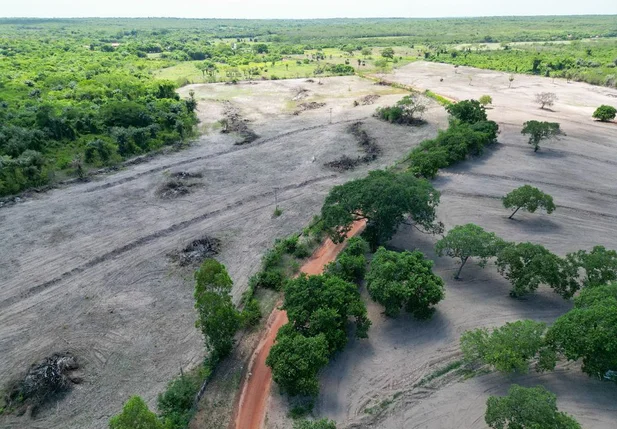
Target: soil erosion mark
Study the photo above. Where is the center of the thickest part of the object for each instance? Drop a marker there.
(251, 410)
(151, 237)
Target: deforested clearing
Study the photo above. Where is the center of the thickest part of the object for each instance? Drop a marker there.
(87, 268)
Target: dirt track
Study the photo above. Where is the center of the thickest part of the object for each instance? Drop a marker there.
(85, 268)
(370, 384)
(256, 387)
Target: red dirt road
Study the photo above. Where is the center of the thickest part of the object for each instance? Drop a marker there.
(256, 387)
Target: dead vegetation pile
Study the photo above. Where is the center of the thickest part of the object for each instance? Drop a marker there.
(175, 187)
(367, 100)
(233, 122)
(196, 251)
(303, 107)
(367, 144)
(43, 382)
(300, 94)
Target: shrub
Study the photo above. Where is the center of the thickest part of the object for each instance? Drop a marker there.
(136, 414)
(468, 111)
(485, 100)
(605, 113)
(251, 315)
(176, 403)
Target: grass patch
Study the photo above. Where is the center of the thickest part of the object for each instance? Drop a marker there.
(438, 98)
(439, 372)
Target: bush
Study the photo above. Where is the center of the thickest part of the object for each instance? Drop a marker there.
(350, 265)
(271, 279)
(176, 403)
(605, 113)
(136, 414)
(485, 100)
(468, 111)
(251, 315)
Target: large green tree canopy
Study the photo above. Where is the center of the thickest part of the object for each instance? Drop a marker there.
(386, 200)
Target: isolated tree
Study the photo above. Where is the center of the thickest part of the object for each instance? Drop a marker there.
(546, 99)
(510, 80)
(587, 332)
(468, 111)
(600, 265)
(467, 241)
(387, 53)
(135, 415)
(386, 200)
(322, 305)
(315, 424)
(408, 110)
(218, 318)
(527, 408)
(485, 100)
(366, 52)
(529, 198)
(508, 348)
(528, 265)
(539, 131)
(406, 279)
(605, 113)
(296, 360)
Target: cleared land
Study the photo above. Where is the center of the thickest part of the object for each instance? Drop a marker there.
(371, 383)
(85, 268)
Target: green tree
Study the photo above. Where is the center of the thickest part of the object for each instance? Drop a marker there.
(467, 111)
(527, 408)
(350, 265)
(316, 424)
(508, 348)
(387, 53)
(135, 415)
(386, 200)
(322, 305)
(528, 265)
(296, 360)
(605, 113)
(485, 100)
(600, 265)
(539, 131)
(406, 279)
(587, 332)
(467, 241)
(366, 52)
(530, 199)
(218, 319)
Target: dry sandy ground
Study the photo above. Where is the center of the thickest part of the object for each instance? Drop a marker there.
(85, 268)
(579, 170)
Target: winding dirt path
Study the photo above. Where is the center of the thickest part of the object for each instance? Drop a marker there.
(256, 387)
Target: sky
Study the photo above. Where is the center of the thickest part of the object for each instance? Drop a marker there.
(259, 9)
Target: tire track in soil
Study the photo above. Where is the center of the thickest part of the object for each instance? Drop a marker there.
(151, 237)
(217, 154)
(534, 181)
(567, 152)
(493, 197)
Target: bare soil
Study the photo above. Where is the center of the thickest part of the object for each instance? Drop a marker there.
(372, 383)
(85, 268)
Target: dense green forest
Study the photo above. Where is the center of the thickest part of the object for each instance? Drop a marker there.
(593, 61)
(77, 94)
